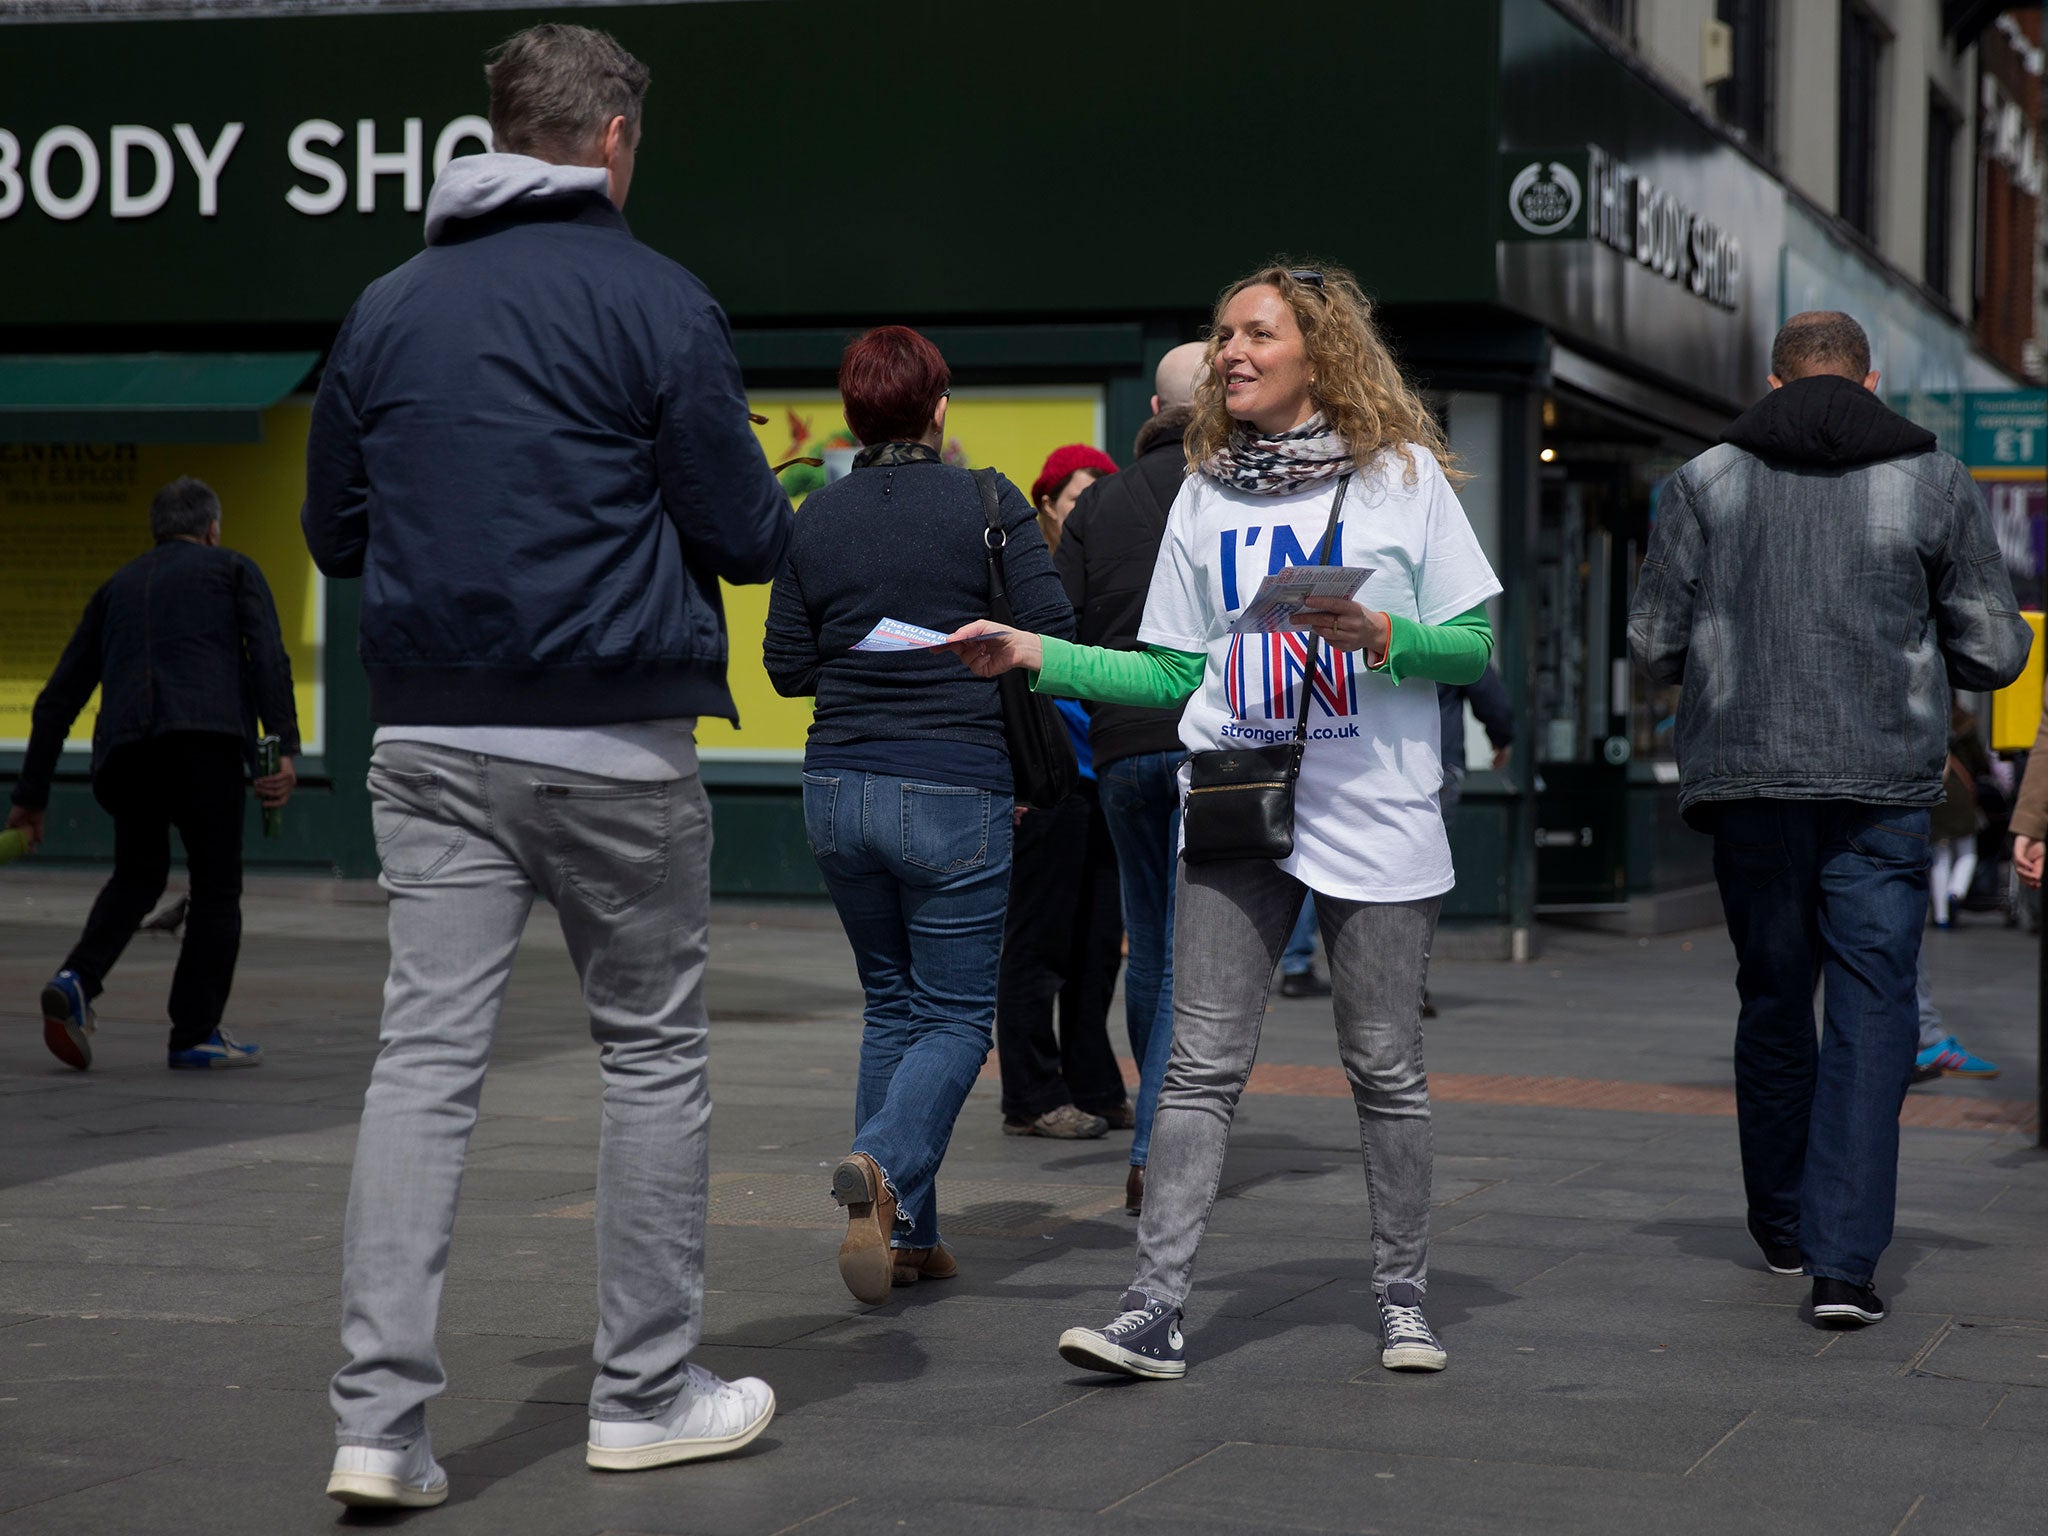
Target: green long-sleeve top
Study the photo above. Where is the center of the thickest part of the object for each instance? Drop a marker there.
(1158, 678)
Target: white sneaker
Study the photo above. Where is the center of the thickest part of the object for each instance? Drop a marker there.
(710, 1418)
(365, 1477)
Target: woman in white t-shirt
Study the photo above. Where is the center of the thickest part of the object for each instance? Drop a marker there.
(1300, 404)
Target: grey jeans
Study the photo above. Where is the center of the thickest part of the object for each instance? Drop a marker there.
(1231, 921)
(466, 842)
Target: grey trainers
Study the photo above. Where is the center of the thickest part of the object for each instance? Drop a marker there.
(1406, 1344)
(365, 1477)
(1067, 1123)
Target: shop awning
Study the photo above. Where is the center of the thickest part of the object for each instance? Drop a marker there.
(144, 397)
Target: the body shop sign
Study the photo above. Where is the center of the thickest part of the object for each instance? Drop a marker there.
(1588, 194)
(135, 170)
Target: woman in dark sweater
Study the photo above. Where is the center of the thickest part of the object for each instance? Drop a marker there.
(907, 784)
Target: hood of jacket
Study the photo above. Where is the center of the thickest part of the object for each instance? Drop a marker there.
(1169, 426)
(1828, 421)
(476, 185)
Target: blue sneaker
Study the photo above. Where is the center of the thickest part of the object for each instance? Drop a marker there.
(220, 1049)
(1949, 1059)
(68, 1020)
(1406, 1344)
(1143, 1340)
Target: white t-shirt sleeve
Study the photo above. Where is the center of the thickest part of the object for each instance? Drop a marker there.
(1177, 607)
(1453, 576)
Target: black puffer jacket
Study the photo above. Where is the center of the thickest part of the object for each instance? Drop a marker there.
(1106, 554)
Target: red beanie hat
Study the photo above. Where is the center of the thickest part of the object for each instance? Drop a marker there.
(1063, 462)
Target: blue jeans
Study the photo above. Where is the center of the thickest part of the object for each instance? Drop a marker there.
(920, 874)
(1141, 802)
(1833, 891)
(1299, 957)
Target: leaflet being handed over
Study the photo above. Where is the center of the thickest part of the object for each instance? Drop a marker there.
(894, 635)
(1281, 596)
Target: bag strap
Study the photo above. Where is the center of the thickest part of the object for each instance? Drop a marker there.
(1308, 680)
(993, 540)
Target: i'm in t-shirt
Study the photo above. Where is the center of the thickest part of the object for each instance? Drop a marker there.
(1366, 822)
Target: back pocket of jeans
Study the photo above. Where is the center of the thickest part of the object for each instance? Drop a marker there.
(945, 827)
(821, 804)
(413, 843)
(609, 842)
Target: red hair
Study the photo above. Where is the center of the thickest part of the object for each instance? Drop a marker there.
(890, 381)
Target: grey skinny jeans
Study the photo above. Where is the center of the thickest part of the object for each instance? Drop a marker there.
(1231, 921)
(467, 841)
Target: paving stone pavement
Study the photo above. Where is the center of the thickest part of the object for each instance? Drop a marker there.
(1620, 1359)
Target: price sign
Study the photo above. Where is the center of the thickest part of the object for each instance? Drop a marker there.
(2006, 432)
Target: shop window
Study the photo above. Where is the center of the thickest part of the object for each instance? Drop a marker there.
(1943, 125)
(1859, 116)
(1747, 100)
(1617, 16)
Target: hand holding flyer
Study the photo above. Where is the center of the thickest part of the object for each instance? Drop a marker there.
(1281, 596)
(893, 635)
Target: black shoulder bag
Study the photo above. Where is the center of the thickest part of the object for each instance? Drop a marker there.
(1240, 801)
(1041, 753)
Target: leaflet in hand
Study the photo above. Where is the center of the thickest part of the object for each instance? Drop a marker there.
(895, 635)
(1281, 596)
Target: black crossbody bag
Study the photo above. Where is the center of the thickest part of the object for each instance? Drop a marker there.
(1240, 801)
(1042, 764)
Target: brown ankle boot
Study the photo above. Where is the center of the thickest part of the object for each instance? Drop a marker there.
(865, 1260)
(915, 1264)
(1134, 1191)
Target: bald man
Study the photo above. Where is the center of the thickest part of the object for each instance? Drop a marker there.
(1816, 584)
(1106, 555)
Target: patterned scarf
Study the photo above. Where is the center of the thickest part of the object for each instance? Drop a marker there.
(1262, 465)
(896, 453)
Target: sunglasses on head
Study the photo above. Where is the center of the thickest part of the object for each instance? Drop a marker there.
(1313, 279)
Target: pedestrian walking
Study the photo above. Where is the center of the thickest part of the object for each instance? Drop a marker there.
(183, 644)
(1063, 935)
(1307, 443)
(1954, 823)
(907, 782)
(531, 444)
(1816, 584)
(1108, 547)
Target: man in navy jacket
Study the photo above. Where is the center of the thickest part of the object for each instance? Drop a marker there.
(531, 442)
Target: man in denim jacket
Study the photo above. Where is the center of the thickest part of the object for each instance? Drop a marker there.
(1817, 583)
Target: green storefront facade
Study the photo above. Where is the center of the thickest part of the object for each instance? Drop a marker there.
(1583, 274)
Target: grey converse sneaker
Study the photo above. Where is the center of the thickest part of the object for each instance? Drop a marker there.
(1406, 1344)
(1142, 1340)
(365, 1477)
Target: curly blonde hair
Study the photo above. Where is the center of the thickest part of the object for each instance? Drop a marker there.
(1354, 380)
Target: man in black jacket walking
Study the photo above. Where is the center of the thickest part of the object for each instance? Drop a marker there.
(1106, 555)
(184, 646)
(531, 443)
(1816, 584)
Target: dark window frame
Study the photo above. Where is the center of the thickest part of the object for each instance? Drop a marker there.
(1944, 136)
(1860, 116)
(1747, 101)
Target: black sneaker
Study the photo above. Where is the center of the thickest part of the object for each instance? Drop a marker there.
(1143, 1340)
(1303, 984)
(1779, 1258)
(1838, 1304)
(1406, 1344)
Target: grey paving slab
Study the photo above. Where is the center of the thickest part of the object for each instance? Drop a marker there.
(1620, 1361)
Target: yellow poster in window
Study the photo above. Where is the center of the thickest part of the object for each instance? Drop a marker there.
(1008, 429)
(73, 514)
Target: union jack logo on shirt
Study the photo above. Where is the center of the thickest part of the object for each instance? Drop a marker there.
(1271, 667)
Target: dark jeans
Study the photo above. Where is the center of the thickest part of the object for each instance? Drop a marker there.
(1836, 892)
(193, 781)
(1062, 943)
(920, 874)
(1141, 803)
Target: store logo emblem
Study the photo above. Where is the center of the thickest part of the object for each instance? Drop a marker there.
(1544, 199)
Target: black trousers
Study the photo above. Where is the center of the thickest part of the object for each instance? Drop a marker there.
(1062, 944)
(193, 781)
